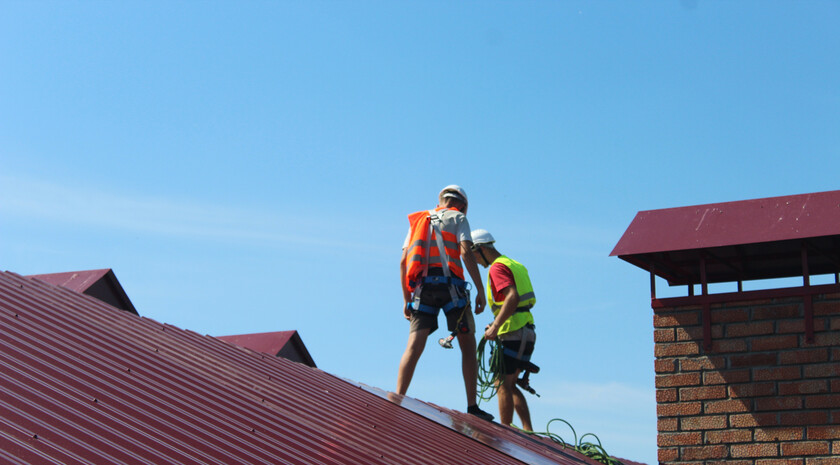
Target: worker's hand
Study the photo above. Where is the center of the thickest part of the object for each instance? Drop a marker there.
(407, 311)
(480, 302)
(491, 332)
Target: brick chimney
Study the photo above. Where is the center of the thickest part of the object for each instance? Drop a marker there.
(747, 377)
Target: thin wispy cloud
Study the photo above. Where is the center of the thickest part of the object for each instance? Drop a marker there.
(82, 207)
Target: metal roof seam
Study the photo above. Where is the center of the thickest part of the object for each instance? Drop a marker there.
(201, 397)
(163, 409)
(139, 372)
(41, 376)
(307, 416)
(84, 424)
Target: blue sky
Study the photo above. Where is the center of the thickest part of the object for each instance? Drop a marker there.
(248, 166)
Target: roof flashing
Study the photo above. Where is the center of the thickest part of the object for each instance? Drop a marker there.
(737, 241)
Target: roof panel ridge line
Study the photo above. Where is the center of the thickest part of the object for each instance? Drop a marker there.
(361, 411)
(67, 297)
(64, 424)
(158, 410)
(522, 453)
(52, 394)
(54, 444)
(234, 430)
(98, 380)
(336, 384)
(176, 349)
(119, 417)
(114, 322)
(208, 348)
(24, 455)
(196, 336)
(335, 392)
(36, 308)
(82, 339)
(156, 324)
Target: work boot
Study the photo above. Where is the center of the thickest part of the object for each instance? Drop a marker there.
(474, 410)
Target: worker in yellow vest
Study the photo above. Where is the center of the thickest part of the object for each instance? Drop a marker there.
(433, 279)
(510, 295)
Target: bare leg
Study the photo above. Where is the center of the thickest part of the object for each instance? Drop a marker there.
(506, 402)
(469, 365)
(413, 350)
(521, 406)
(510, 399)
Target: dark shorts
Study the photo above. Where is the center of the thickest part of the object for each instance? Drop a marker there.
(510, 363)
(438, 295)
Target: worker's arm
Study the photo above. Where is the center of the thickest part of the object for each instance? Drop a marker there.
(508, 309)
(472, 269)
(406, 292)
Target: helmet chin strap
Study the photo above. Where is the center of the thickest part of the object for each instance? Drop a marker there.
(481, 252)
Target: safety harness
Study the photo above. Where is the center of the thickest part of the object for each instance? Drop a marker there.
(454, 283)
(524, 335)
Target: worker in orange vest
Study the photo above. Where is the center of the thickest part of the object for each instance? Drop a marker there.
(432, 279)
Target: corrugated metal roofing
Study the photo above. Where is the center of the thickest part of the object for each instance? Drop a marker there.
(84, 383)
(286, 344)
(78, 281)
(743, 240)
(102, 284)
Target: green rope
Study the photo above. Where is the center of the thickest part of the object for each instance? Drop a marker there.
(488, 385)
(489, 369)
(593, 450)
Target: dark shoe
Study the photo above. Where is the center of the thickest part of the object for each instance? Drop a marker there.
(474, 410)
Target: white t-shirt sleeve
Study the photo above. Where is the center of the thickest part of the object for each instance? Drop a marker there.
(407, 238)
(464, 231)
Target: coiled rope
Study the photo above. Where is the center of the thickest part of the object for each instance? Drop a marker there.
(489, 379)
(593, 450)
(489, 369)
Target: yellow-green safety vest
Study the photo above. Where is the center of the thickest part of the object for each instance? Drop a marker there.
(522, 316)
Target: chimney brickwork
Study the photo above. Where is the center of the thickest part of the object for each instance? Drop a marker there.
(761, 396)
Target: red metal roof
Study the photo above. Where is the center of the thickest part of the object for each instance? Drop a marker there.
(84, 383)
(749, 239)
(286, 344)
(101, 284)
(78, 281)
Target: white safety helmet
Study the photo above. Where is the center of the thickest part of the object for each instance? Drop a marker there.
(481, 236)
(454, 191)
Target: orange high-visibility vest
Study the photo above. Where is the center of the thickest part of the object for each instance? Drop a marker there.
(416, 255)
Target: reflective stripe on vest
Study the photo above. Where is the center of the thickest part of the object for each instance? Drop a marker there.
(527, 299)
(416, 259)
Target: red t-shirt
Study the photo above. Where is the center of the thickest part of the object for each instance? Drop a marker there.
(500, 278)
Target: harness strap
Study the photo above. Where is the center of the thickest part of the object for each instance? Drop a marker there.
(519, 355)
(524, 335)
(524, 308)
(452, 280)
(426, 308)
(454, 304)
(434, 222)
(418, 290)
(434, 310)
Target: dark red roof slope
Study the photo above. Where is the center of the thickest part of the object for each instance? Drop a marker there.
(81, 382)
(287, 344)
(102, 284)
